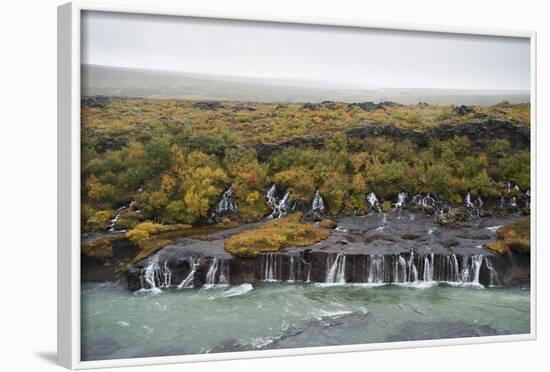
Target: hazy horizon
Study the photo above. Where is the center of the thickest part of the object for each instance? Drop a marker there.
(313, 56)
(292, 82)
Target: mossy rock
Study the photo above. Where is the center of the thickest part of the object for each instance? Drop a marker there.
(274, 236)
(515, 236)
(386, 206)
(328, 224)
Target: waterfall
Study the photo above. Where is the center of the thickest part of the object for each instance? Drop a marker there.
(376, 269)
(114, 220)
(399, 269)
(317, 205)
(401, 200)
(479, 201)
(373, 201)
(291, 269)
(188, 282)
(271, 195)
(211, 274)
(156, 276)
(336, 269)
(528, 199)
(428, 275)
(413, 272)
(514, 202)
(217, 265)
(271, 266)
(227, 202)
(428, 201)
(493, 275)
(308, 275)
(468, 201)
(453, 269)
(280, 207)
(470, 269)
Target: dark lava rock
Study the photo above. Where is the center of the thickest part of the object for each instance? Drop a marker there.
(480, 133)
(95, 101)
(449, 243)
(463, 110)
(208, 105)
(111, 143)
(410, 236)
(312, 106)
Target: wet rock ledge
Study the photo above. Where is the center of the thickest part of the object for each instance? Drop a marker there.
(397, 247)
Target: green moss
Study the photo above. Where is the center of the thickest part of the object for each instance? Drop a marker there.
(274, 236)
(513, 237)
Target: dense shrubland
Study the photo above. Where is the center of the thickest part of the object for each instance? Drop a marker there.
(174, 158)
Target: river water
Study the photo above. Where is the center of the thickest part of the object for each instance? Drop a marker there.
(117, 323)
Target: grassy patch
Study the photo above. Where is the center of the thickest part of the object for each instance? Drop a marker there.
(274, 236)
(513, 237)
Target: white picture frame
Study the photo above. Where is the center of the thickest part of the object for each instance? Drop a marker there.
(69, 49)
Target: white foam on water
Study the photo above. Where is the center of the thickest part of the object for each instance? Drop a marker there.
(238, 291)
(123, 323)
(419, 284)
(331, 314)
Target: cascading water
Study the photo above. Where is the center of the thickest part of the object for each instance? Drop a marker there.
(399, 269)
(372, 200)
(468, 201)
(188, 282)
(217, 265)
(376, 269)
(291, 269)
(155, 275)
(271, 267)
(227, 202)
(471, 266)
(493, 275)
(318, 205)
(401, 200)
(271, 195)
(280, 207)
(295, 268)
(428, 275)
(336, 269)
(412, 270)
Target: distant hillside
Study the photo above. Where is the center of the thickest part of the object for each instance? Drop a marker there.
(125, 82)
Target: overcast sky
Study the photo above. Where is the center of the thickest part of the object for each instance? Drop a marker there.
(326, 55)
